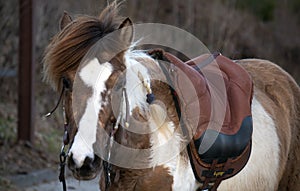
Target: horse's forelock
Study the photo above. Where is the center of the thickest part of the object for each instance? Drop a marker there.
(69, 46)
(110, 16)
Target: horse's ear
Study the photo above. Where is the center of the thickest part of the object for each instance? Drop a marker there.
(65, 20)
(126, 31)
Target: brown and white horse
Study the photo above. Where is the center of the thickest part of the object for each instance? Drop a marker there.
(274, 161)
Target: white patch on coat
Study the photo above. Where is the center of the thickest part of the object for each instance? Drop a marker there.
(94, 75)
(181, 170)
(135, 89)
(261, 171)
(166, 145)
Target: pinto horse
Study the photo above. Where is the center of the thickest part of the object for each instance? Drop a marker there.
(90, 116)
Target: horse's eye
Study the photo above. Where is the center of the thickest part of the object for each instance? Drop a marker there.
(67, 83)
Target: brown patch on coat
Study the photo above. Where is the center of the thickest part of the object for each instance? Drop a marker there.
(279, 94)
(157, 178)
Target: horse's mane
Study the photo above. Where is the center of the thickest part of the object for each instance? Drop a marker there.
(68, 47)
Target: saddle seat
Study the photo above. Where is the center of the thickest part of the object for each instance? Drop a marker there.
(231, 132)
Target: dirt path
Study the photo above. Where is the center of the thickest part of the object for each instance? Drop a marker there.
(47, 180)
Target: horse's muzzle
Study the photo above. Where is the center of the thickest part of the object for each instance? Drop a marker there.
(89, 170)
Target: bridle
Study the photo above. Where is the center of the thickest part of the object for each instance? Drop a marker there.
(64, 149)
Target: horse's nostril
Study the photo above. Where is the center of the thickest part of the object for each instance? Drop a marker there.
(88, 161)
(71, 162)
(86, 169)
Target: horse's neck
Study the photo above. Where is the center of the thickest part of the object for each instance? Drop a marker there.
(158, 118)
(167, 136)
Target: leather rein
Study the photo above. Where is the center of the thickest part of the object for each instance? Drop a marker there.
(64, 149)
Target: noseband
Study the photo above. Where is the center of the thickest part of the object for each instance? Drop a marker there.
(64, 150)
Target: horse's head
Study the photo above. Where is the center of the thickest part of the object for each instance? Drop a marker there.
(105, 86)
(87, 83)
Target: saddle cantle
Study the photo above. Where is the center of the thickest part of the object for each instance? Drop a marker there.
(230, 151)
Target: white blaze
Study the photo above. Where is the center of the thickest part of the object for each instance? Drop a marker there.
(93, 75)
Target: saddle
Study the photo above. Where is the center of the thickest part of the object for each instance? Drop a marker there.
(221, 140)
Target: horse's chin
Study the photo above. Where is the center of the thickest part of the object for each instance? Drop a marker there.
(84, 175)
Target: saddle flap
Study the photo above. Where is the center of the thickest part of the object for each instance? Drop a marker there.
(239, 94)
(185, 80)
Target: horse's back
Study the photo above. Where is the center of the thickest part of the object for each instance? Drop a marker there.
(279, 95)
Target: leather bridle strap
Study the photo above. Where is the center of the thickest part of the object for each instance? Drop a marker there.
(62, 165)
(57, 104)
(64, 152)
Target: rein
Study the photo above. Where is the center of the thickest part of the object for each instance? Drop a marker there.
(64, 150)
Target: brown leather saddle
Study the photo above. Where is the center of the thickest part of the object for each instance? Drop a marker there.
(226, 127)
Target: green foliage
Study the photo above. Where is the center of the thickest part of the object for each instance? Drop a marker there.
(6, 185)
(294, 6)
(7, 130)
(51, 139)
(263, 9)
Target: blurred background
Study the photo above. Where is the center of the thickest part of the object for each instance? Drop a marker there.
(267, 29)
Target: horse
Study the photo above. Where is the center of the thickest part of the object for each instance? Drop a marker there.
(275, 154)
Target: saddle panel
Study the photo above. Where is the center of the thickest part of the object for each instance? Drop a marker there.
(225, 146)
